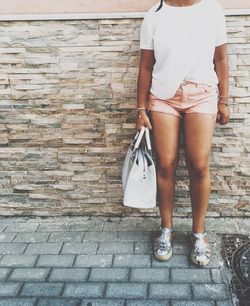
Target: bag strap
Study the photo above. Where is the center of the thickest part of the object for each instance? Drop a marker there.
(139, 138)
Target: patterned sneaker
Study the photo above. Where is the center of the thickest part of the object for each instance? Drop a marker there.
(201, 251)
(162, 244)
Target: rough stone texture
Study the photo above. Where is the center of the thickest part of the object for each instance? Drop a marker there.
(68, 93)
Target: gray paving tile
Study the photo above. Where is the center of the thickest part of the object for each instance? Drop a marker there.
(100, 236)
(126, 290)
(31, 237)
(12, 248)
(84, 290)
(42, 289)
(21, 227)
(43, 248)
(210, 291)
(28, 274)
(184, 276)
(9, 289)
(79, 248)
(58, 302)
(109, 274)
(7, 237)
(181, 248)
(216, 276)
(143, 248)
(103, 302)
(176, 261)
(134, 236)
(55, 261)
(149, 275)
(115, 248)
(69, 274)
(128, 260)
(65, 237)
(18, 260)
(87, 225)
(17, 301)
(93, 261)
(4, 272)
(193, 303)
(170, 291)
(53, 227)
(147, 302)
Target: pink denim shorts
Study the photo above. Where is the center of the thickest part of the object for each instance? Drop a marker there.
(190, 98)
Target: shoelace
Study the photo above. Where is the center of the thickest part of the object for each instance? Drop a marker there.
(164, 239)
(200, 245)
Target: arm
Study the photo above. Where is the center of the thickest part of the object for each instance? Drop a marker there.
(147, 61)
(222, 71)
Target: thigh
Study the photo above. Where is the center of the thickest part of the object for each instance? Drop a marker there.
(165, 136)
(198, 135)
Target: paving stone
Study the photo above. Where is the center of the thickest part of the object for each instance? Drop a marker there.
(184, 276)
(216, 275)
(53, 227)
(126, 290)
(55, 261)
(42, 289)
(181, 248)
(2, 227)
(103, 302)
(79, 248)
(43, 248)
(134, 236)
(84, 290)
(149, 275)
(225, 303)
(192, 303)
(7, 237)
(28, 274)
(143, 248)
(147, 302)
(120, 226)
(109, 274)
(115, 248)
(176, 261)
(58, 302)
(31, 237)
(87, 225)
(170, 291)
(69, 274)
(12, 248)
(93, 261)
(17, 301)
(66, 237)
(18, 260)
(100, 236)
(210, 291)
(128, 260)
(4, 272)
(21, 227)
(9, 289)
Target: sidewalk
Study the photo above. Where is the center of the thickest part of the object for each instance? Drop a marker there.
(103, 261)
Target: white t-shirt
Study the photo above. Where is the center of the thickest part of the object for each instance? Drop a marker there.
(184, 40)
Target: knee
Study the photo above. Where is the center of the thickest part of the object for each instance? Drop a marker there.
(199, 169)
(167, 167)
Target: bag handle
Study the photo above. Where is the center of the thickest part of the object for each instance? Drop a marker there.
(139, 138)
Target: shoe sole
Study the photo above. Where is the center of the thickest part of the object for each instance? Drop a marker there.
(198, 263)
(165, 257)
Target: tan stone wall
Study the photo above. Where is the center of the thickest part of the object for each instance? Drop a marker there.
(68, 93)
(83, 6)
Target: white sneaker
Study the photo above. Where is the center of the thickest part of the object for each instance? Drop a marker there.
(201, 251)
(162, 244)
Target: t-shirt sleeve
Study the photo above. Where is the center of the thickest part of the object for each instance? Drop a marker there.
(146, 33)
(221, 37)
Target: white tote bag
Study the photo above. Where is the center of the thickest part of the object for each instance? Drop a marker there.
(139, 174)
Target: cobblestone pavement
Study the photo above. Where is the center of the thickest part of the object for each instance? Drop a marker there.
(103, 261)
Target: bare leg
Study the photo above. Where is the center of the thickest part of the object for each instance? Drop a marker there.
(198, 132)
(165, 136)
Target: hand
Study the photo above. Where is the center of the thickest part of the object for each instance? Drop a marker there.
(143, 121)
(223, 114)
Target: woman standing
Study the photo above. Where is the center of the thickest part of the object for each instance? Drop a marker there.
(183, 75)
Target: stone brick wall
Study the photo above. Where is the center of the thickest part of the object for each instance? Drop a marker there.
(68, 93)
